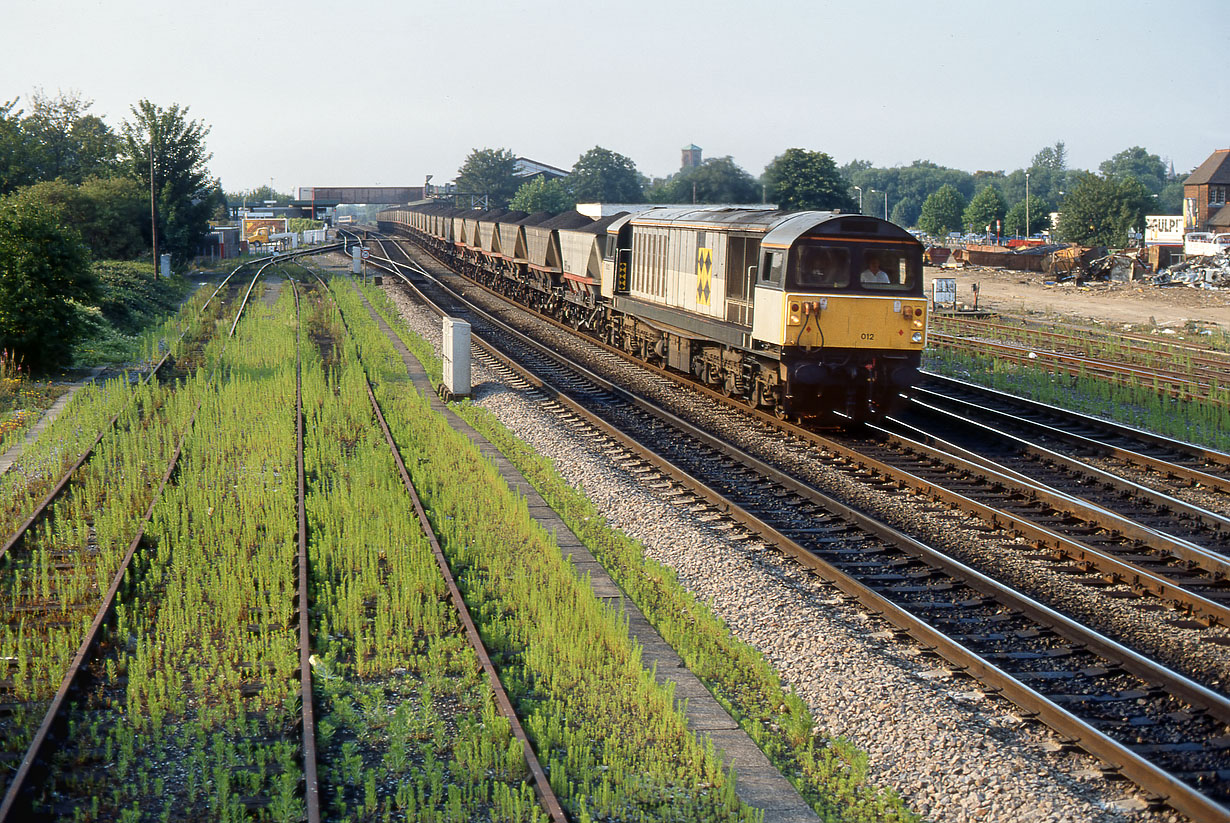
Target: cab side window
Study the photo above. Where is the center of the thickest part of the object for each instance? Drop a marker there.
(771, 271)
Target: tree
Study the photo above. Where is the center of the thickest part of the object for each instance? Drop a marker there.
(906, 210)
(1101, 211)
(116, 223)
(185, 193)
(603, 176)
(256, 197)
(1039, 217)
(541, 194)
(716, 180)
(910, 185)
(720, 180)
(18, 162)
(1147, 169)
(109, 213)
(942, 212)
(72, 144)
(802, 179)
(489, 173)
(986, 207)
(44, 275)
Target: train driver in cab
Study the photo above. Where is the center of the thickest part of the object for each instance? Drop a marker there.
(873, 273)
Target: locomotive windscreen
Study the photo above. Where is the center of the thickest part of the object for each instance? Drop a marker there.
(829, 264)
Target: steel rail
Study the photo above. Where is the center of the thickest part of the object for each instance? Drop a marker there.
(1212, 360)
(1182, 508)
(306, 698)
(1199, 453)
(1139, 578)
(17, 801)
(542, 785)
(1177, 386)
(1147, 775)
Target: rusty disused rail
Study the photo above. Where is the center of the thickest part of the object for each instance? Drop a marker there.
(311, 778)
(542, 785)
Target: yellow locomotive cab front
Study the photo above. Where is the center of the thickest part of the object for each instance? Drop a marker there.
(848, 322)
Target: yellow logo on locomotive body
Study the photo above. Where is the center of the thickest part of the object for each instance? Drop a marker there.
(704, 276)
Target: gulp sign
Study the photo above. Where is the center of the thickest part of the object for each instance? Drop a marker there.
(1163, 230)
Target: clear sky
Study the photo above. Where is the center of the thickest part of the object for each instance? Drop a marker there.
(384, 92)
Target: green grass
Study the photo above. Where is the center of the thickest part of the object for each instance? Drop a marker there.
(1140, 404)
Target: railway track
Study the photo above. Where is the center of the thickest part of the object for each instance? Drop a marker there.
(1174, 557)
(1171, 464)
(34, 767)
(25, 790)
(1123, 347)
(1082, 684)
(542, 786)
(1204, 385)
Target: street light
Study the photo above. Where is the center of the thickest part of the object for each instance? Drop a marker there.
(873, 191)
(859, 189)
(1027, 204)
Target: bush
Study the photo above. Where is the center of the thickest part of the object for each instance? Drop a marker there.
(132, 297)
(44, 273)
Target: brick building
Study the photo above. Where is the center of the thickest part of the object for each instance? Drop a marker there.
(1204, 195)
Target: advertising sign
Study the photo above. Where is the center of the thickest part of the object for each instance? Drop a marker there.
(258, 229)
(1164, 230)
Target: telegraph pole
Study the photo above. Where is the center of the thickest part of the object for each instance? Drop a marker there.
(153, 205)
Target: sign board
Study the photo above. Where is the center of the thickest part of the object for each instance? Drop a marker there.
(1164, 230)
(367, 253)
(259, 229)
(944, 291)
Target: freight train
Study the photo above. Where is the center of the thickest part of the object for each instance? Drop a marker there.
(799, 313)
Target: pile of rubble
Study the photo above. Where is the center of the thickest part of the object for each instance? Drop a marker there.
(1198, 272)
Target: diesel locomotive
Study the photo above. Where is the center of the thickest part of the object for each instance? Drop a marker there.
(801, 313)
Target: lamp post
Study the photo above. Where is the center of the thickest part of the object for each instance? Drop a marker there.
(1027, 204)
(885, 204)
(859, 189)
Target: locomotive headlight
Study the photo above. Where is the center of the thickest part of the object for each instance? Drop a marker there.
(794, 313)
(916, 337)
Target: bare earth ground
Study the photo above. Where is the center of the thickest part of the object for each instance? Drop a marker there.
(1026, 293)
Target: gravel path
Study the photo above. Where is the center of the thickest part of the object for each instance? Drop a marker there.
(952, 752)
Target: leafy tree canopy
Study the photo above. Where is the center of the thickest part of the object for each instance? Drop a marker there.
(18, 161)
(802, 179)
(716, 180)
(1053, 157)
(942, 212)
(986, 207)
(541, 194)
(71, 143)
(1100, 211)
(256, 197)
(489, 173)
(1147, 169)
(1039, 217)
(186, 193)
(111, 213)
(44, 275)
(603, 176)
(909, 185)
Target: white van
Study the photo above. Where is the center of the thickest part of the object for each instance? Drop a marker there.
(1205, 244)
